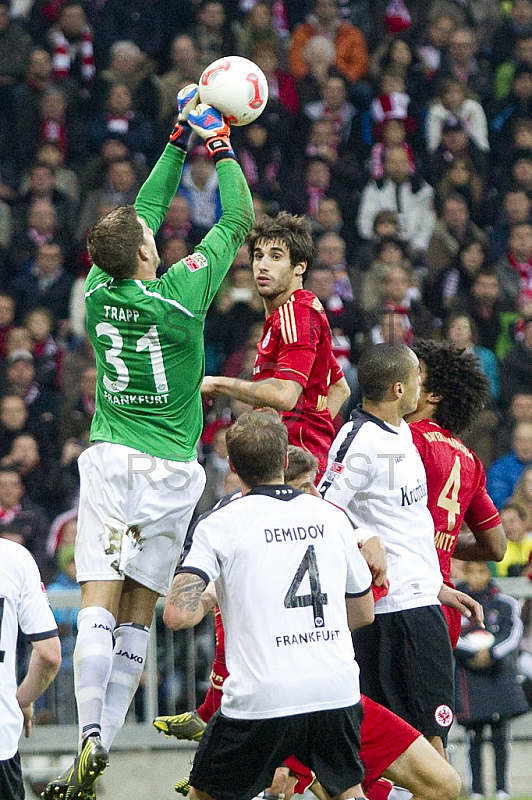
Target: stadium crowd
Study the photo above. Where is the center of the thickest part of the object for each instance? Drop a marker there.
(403, 130)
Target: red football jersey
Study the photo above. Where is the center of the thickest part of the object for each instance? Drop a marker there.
(456, 484)
(296, 345)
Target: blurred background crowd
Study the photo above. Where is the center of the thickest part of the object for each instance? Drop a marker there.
(401, 128)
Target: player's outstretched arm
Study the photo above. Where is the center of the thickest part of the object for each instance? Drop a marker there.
(160, 186)
(487, 545)
(272, 392)
(188, 601)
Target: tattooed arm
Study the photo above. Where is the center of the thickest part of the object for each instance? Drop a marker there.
(188, 601)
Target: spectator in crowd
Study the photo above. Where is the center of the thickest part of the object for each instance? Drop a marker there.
(513, 108)
(506, 471)
(460, 330)
(515, 268)
(46, 481)
(348, 323)
(389, 252)
(400, 296)
(516, 367)
(331, 251)
(486, 307)
(178, 222)
(490, 692)
(455, 143)
(392, 123)
(14, 420)
(138, 21)
(451, 289)
(184, 69)
(335, 106)
(462, 177)
(7, 317)
(454, 104)
(319, 55)
(515, 522)
(434, 42)
(258, 29)
(44, 283)
(71, 40)
(212, 33)
(519, 410)
(119, 120)
(76, 416)
(462, 62)
(42, 402)
(120, 188)
(410, 197)
(41, 228)
(25, 517)
(128, 65)
(522, 495)
(521, 54)
(281, 85)
(260, 157)
(44, 348)
(351, 55)
(399, 56)
(199, 186)
(515, 210)
(41, 186)
(517, 23)
(453, 229)
(15, 47)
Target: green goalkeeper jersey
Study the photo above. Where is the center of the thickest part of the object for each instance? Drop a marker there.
(147, 335)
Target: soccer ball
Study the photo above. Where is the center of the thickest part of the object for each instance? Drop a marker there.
(235, 86)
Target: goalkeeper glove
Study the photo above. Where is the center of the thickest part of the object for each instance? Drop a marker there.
(212, 127)
(187, 100)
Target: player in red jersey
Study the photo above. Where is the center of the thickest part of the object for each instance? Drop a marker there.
(295, 370)
(389, 745)
(453, 391)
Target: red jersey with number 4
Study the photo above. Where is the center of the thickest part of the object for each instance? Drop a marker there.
(296, 345)
(456, 485)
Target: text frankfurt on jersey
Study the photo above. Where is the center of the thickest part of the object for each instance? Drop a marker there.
(307, 638)
(136, 399)
(409, 496)
(293, 534)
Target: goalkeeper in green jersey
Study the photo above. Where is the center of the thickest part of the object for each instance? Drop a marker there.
(140, 481)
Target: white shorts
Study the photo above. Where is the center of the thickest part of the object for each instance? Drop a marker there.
(134, 511)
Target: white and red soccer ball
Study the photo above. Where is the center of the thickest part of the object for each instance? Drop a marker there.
(235, 86)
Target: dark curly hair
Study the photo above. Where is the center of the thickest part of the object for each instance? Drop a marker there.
(457, 377)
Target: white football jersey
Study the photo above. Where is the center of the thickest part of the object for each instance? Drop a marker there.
(376, 475)
(283, 562)
(22, 603)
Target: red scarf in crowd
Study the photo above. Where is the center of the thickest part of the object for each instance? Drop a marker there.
(55, 132)
(524, 269)
(7, 515)
(62, 58)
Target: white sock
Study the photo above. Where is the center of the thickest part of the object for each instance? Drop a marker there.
(129, 657)
(93, 659)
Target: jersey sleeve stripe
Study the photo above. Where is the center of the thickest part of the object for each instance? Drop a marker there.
(38, 637)
(164, 299)
(488, 519)
(286, 329)
(194, 571)
(292, 317)
(358, 594)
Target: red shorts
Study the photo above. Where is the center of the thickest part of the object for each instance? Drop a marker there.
(384, 737)
(454, 623)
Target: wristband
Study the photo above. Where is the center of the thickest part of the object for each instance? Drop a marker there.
(362, 536)
(219, 147)
(180, 136)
